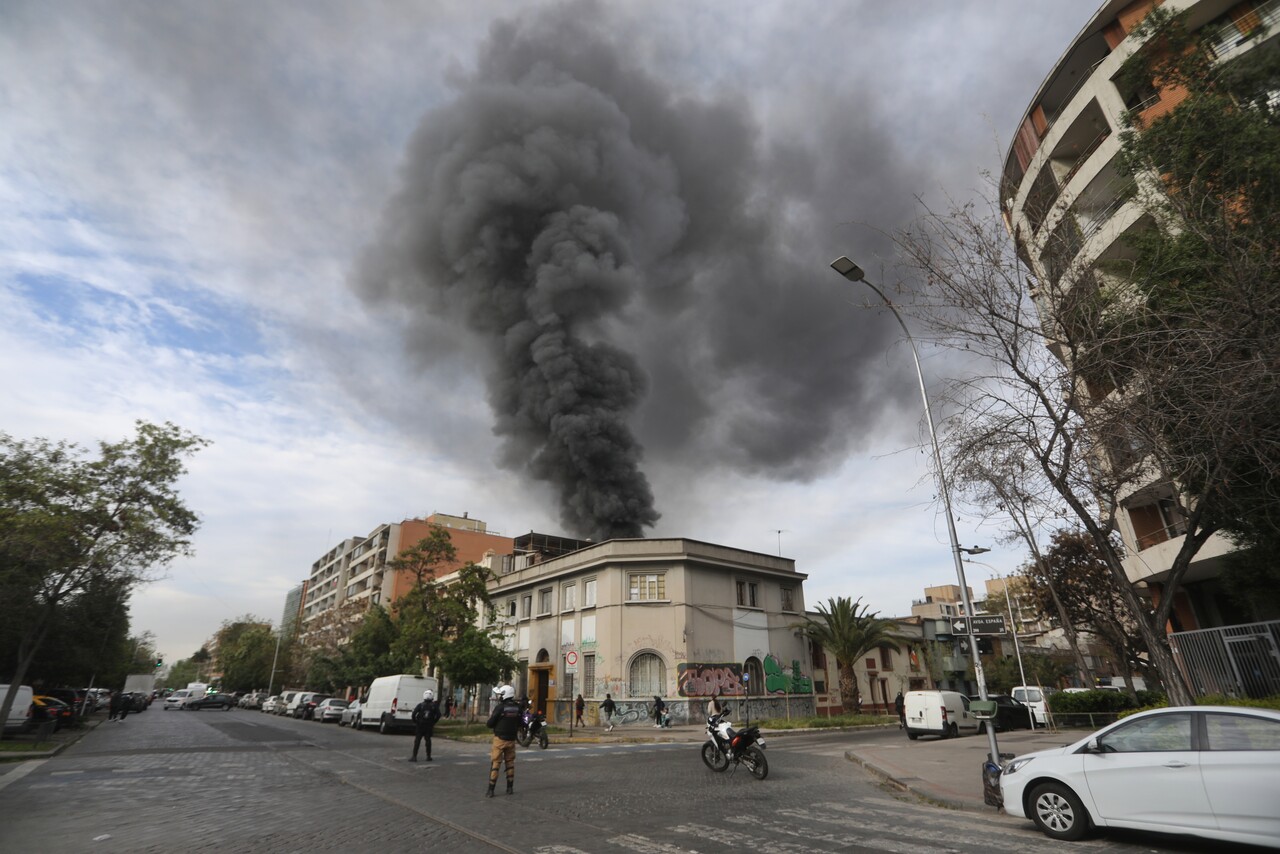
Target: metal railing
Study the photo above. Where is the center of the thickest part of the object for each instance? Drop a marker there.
(1236, 661)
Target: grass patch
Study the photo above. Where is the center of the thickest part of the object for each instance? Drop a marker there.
(7, 746)
(460, 729)
(827, 723)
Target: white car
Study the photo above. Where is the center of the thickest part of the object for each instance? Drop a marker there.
(176, 699)
(269, 704)
(1209, 771)
(350, 715)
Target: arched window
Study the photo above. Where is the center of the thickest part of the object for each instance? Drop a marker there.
(755, 685)
(648, 676)
(542, 657)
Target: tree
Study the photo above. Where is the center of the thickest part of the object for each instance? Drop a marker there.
(474, 658)
(1078, 574)
(434, 615)
(371, 651)
(68, 523)
(849, 630)
(246, 649)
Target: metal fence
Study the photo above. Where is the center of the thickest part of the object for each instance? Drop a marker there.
(1238, 661)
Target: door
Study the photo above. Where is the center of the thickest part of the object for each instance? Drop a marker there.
(1240, 764)
(1148, 774)
(539, 695)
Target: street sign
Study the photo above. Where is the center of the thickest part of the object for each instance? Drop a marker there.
(985, 624)
(571, 661)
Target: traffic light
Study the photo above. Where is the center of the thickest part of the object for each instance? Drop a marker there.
(986, 647)
(159, 662)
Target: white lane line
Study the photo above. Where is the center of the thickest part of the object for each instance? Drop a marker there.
(21, 771)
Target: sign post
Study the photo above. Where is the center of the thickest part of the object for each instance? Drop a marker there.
(571, 666)
(983, 624)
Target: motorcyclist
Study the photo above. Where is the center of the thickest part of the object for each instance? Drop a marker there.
(504, 720)
(425, 715)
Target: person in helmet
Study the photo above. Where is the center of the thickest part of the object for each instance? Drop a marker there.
(425, 715)
(504, 721)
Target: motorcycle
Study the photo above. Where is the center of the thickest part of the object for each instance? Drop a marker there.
(532, 725)
(726, 746)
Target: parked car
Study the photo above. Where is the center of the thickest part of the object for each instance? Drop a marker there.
(210, 701)
(137, 701)
(46, 708)
(19, 719)
(329, 710)
(1208, 771)
(253, 700)
(71, 696)
(389, 704)
(350, 715)
(269, 704)
(307, 708)
(941, 713)
(1010, 714)
(288, 700)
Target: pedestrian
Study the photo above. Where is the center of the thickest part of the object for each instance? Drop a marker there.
(126, 700)
(658, 708)
(425, 715)
(448, 706)
(900, 706)
(113, 707)
(714, 705)
(579, 706)
(504, 720)
(608, 707)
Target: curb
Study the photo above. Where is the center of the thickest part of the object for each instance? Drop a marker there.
(902, 786)
(28, 755)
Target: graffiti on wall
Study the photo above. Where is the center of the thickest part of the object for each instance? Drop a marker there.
(785, 681)
(704, 680)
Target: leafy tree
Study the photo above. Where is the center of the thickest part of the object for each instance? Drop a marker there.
(372, 651)
(1040, 668)
(850, 630)
(246, 649)
(182, 672)
(434, 615)
(474, 658)
(68, 523)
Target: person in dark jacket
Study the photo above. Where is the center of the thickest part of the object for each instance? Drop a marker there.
(425, 715)
(448, 706)
(505, 722)
(579, 706)
(900, 706)
(607, 708)
(659, 710)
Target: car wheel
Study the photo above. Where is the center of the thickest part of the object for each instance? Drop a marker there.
(953, 731)
(1058, 813)
(357, 722)
(383, 728)
(913, 735)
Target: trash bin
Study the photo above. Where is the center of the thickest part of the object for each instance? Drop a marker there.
(991, 779)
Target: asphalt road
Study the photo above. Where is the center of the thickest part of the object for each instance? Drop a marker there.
(243, 781)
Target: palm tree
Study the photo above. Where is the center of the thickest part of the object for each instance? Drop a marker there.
(850, 630)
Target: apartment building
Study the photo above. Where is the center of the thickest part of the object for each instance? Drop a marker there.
(940, 602)
(1070, 210)
(640, 618)
(357, 571)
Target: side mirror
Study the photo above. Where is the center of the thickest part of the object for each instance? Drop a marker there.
(1093, 746)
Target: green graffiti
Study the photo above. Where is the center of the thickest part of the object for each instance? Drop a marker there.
(779, 681)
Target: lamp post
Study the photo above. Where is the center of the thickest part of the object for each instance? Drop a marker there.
(854, 273)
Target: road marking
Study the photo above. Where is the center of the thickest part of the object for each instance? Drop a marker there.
(21, 771)
(645, 845)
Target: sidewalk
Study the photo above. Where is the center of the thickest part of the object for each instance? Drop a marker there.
(60, 740)
(949, 772)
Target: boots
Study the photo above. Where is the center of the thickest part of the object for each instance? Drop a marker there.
(489, 794)
(511, 787)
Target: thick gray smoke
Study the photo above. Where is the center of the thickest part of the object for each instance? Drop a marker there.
(633, 261)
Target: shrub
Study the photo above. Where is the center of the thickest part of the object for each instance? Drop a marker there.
(1090, 701)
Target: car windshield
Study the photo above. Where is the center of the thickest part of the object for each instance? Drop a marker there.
(1033, 696)
(338, 704)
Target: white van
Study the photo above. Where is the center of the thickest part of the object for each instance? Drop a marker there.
(288, 702)
(391, 699)
(1035, 698)
(19, 719)
(941, 713)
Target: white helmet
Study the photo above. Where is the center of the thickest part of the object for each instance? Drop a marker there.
(427, 695)
(506, 692)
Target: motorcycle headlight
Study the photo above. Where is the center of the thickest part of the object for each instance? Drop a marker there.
(1015, 765)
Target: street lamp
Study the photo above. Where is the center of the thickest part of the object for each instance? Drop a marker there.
(854, 273)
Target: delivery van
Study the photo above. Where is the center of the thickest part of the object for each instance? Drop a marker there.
(1035, 698)
(391, 699)
(19, 719)
(941, 713)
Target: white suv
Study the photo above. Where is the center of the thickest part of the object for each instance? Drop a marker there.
(176, 699)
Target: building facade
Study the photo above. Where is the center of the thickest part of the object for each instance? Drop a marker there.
(1070, 211)
(674, 618)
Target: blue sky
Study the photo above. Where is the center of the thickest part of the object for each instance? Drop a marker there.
(186, 190)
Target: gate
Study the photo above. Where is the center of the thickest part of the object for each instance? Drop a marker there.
(1237, 661)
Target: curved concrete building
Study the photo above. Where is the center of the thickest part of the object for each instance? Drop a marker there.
(1068, 208)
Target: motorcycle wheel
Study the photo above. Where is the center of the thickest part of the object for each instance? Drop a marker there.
(522, 738)
(543, 740)
(756, 763)
(714, 757)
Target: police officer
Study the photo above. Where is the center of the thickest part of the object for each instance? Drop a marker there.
(504, 721)
(425, 715)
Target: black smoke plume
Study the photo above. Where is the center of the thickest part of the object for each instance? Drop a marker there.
(602, 234)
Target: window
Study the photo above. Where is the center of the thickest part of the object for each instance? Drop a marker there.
(588, 675)
(526, 606)
(589, 593)
(788, 598)
(511, 608)
(1240, 732)
(886, 659)
(1158, 733)
(569, 596)
(648, 676)
(748, 594)
(651, 587)
(544, 602)
(871, 664)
